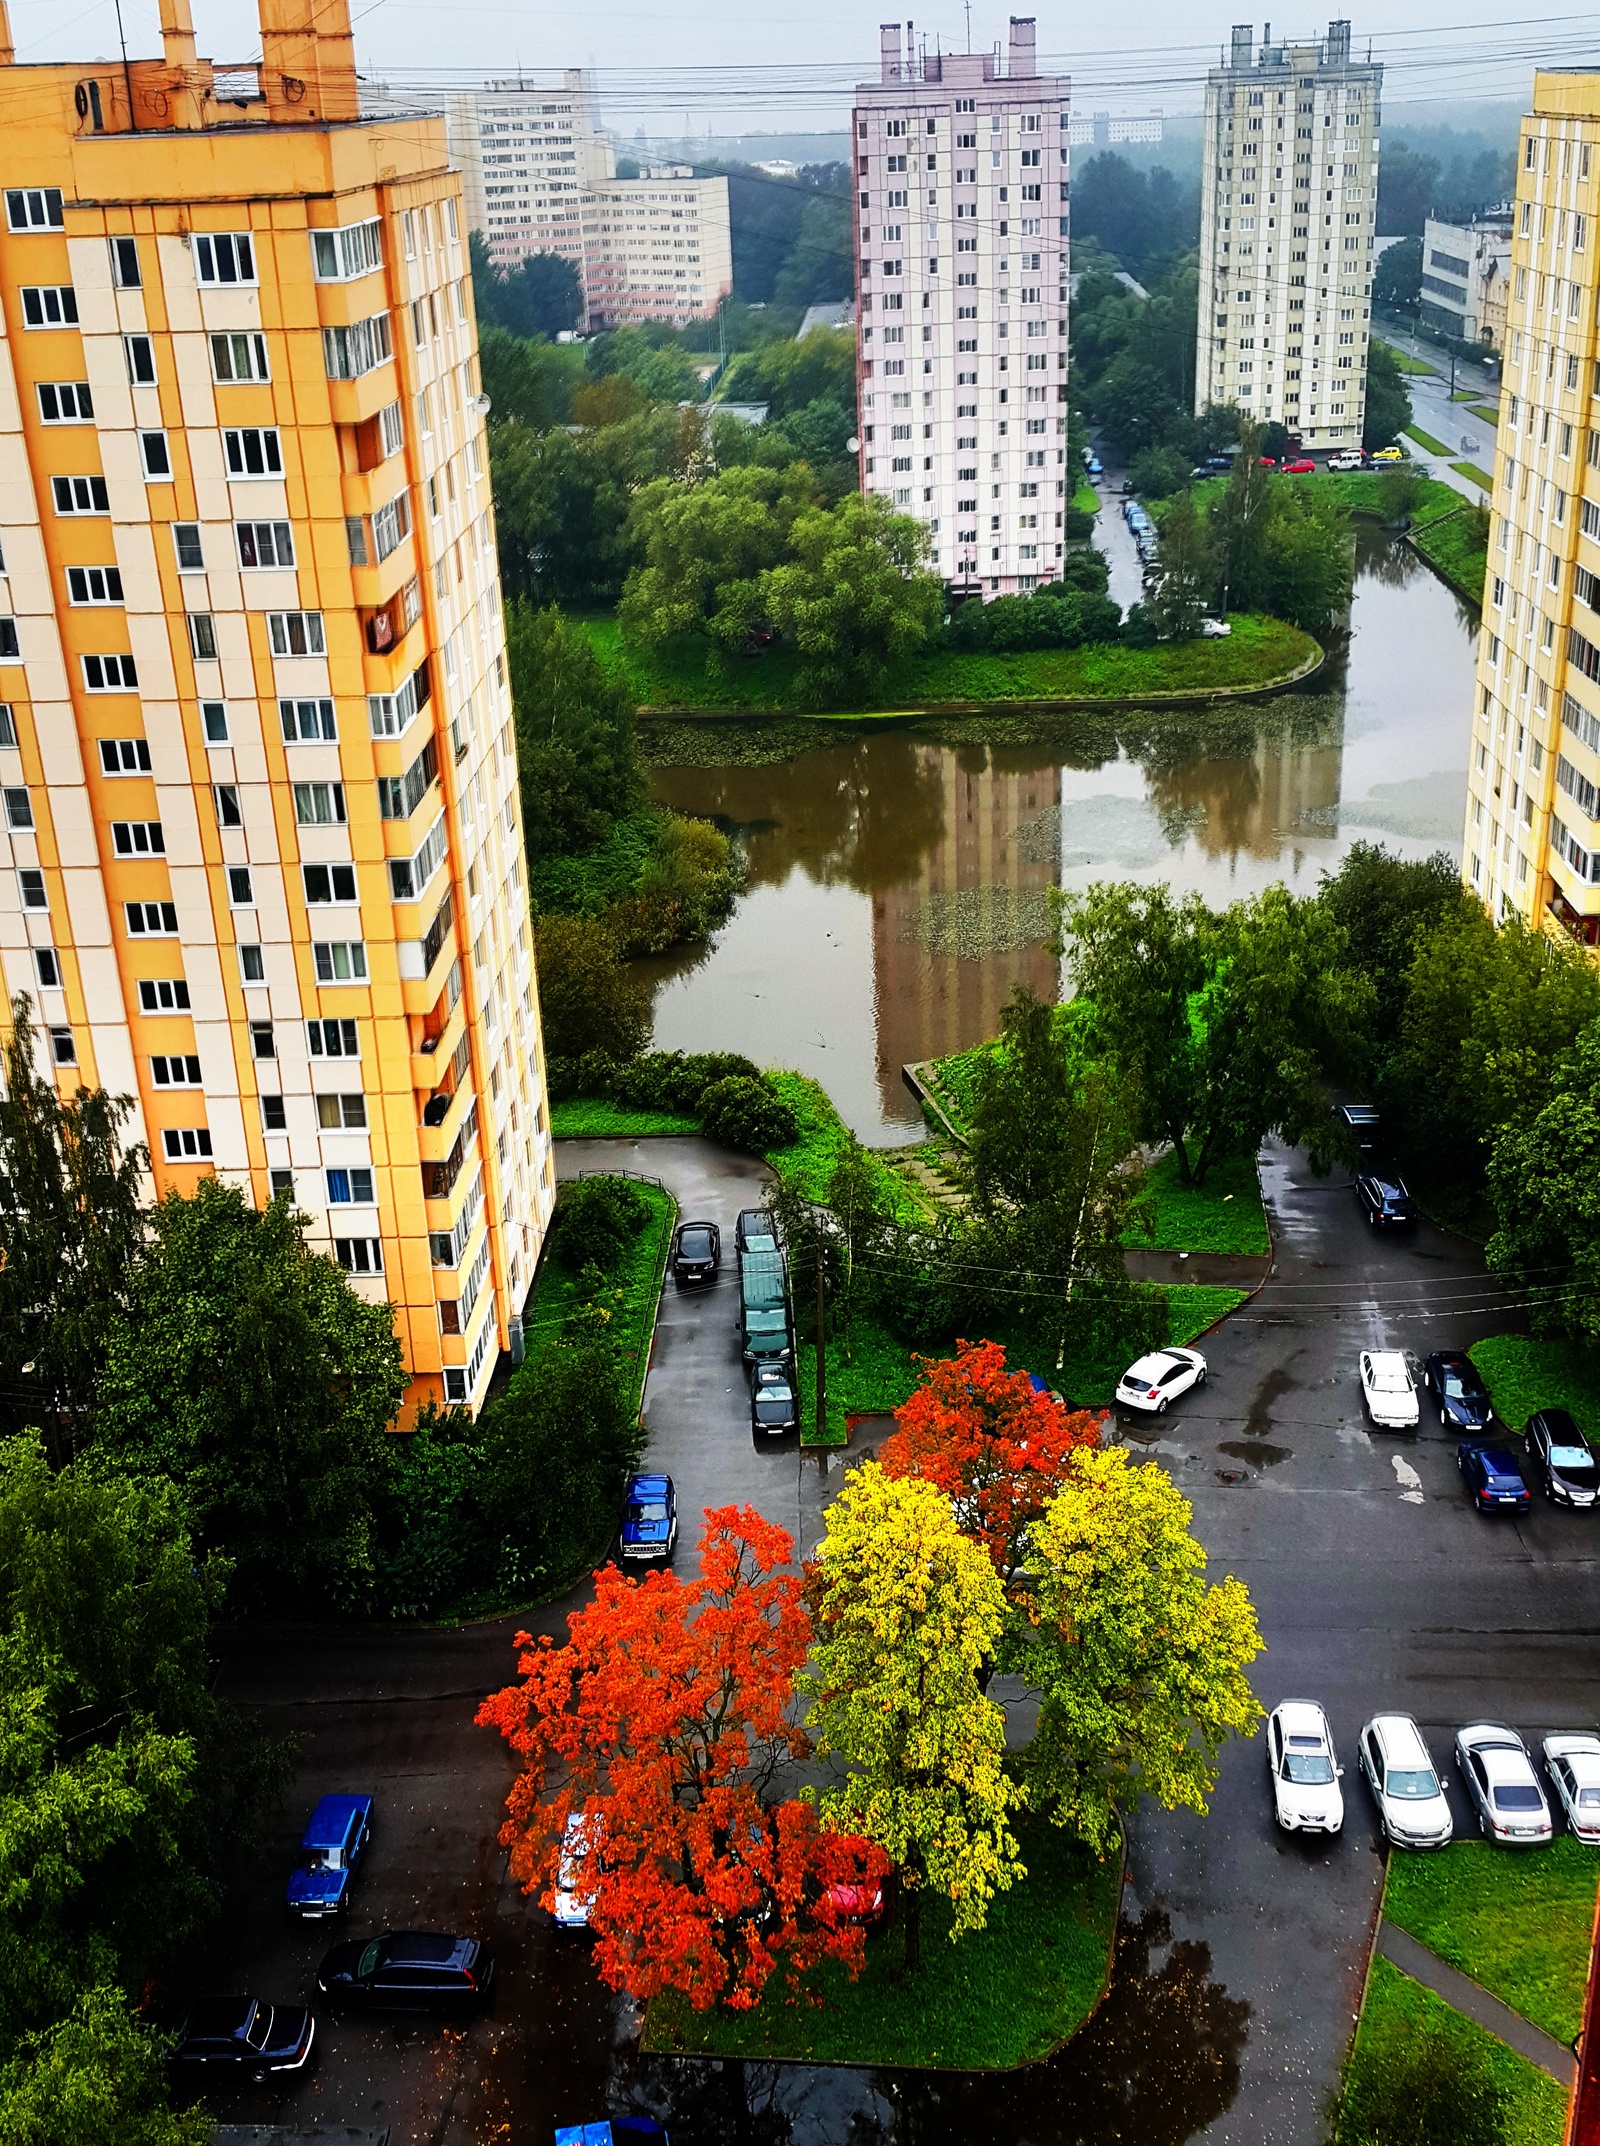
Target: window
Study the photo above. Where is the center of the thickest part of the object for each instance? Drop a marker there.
(47, 967)
(62, 1048)
(261, 1043)
(350, 1188)
(124, 756)
(80, 495)
(65, 402)
(319, 804)
(186, 1143)
(340, 961)
(30, 885)
(50, 305)
(391, 432)
(362, 1255)
(154, 458)
(390, 524)
(19, 811)
(8, 727)
(400, 795)
(332, 1039)
(214, 720)
(390, 714)
(175, 1071)
(328, 883)
(308, 722)
(146, 920)
(252, 451)
(252, 968)
(138, 838)
(347, 353)
(140, 353)
(110, 674)
(265, 544)
(296, 633)
(94, 585)
(409, 875)
(161, 995)
(203, 636)
(239, 357)
(282, 1184)
(226, 797)
(355, 540)
(241, 895)
(186, 542)
(349, 250)
(33, 208)
(224, 257)
(125, 264)
(342, 1113)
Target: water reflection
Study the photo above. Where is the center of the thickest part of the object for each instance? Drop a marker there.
(898, 881)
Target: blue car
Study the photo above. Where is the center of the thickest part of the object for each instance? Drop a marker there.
(649, 1520)
(615, 2132)
(1493, 1477)
(330, 1848)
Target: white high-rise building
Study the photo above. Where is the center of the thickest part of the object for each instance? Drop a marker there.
(961, 296)
(1288, 215)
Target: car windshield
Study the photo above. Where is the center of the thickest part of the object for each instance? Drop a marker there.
(260, 2027)
(1391, 1377)
(1411, 1782)
(1309, 1768)
(647, 1509)
(1577, 1460)
(321, 1859)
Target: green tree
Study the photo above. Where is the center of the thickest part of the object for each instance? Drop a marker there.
(1544, 1181)
(822, 265)
(705, 548)
(791, 374)
(1140, 1665)
(853, 596)
(532, 382)
(577, 760)
(249, 1373)
(1397, 279)
(857, 1199)
(563, 500)
(907, 1613)
(1188, 571)
(1238, 523)
(1383, 904)
(541, 295)
(96, 2078)
(1388, 403)
(588, 998)
(71, 1235)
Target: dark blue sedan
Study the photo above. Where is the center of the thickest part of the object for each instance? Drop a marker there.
(649, 1520)
(1454, 1382)
(1493, 1477)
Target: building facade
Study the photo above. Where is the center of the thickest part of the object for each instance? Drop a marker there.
(961, 304)
(265, 871)
(1532, 838)
(656, 248)
(1466, 270)
(1288, 216)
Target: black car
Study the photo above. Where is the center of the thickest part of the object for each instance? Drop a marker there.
(773, 1406)
(1563, 1457)
(1385, 1202)
(1455, 1384)
(226, 2037)
(696, 1252)
(1493, 1476)
(1362, 1120)
(408, 1971)
(755, 1231)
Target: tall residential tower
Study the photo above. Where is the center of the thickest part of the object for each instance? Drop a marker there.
(961, 299)
(1288, 214)
(256, 750)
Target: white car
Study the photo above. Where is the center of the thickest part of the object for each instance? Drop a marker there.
(1159, 1378)
(1573, 1763)
(1349, 459)
(575, 1883)
(1410, 1797)
(1494, 1763)
(1214, 629)
(1305, 1773)
(1388, 1392)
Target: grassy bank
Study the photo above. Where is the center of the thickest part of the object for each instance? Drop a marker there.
(1519, 1925)
(1259, 653)
(1396, 2013)
(1006, 1995)
(632, 1293)
(1455, 546)
(1523, 1374)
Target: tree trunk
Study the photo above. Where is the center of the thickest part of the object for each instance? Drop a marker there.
(911, 1917)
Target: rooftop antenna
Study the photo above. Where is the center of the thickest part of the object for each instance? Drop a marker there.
(968, 5)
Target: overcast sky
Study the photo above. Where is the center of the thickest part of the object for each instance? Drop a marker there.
(740, 68)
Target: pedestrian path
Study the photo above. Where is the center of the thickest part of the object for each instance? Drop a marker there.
(1466, 1996)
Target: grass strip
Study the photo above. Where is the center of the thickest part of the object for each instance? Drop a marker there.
(596, 1117)
(1397, 2011)
(1482, 409)
(1086, 500)
(1003, 1996)
(1224, 1214)
(1413, 367)
(1519, 1925)
(1456, 546)
(1474, 475)
(1523, 1374)
(1426, 439)
(632, 1294)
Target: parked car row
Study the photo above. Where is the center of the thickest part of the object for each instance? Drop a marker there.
(1497, 1772)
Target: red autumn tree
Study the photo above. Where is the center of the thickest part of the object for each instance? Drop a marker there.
(986, 1437)
(668, 1716)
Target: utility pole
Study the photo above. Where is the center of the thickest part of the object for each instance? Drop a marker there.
(822, 1345)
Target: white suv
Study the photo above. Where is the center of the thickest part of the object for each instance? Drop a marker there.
(1405, 1786)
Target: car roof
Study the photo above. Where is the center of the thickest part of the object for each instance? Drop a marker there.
(1485, 1735)
(1498, 1460)
(1399, 1733)
(423, 1948)
(213, 2017)
(1582, 1754)
(1562, 1426)
(1362, 1113)
(330, 1821)
(1302, 1717)
(682, 1226)
(640, 1486)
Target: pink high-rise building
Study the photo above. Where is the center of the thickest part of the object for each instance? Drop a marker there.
(961, 291)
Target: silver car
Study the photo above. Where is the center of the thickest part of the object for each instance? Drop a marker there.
(1572, 1760)
(1493, 1762)
(1411, 1801)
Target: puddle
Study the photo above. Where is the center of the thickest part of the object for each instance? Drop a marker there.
(1264, 1456)
(1272, 1388)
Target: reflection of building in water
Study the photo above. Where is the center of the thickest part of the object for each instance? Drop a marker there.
(949, 943)
(1263, 802)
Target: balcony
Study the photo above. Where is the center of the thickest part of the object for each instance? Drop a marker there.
(434, 1142)
(433, 1054)
(439, 1178)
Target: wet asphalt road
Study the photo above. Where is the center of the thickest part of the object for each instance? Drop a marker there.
(1242, 1952)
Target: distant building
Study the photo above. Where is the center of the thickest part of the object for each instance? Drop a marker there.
(961, 295)
(1101, 131)
(1464, 272)
(1288, 217)
(656, 248)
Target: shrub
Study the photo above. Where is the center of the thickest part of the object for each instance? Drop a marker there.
(1139, 628)
(744, 1113)
(675, 1080)
(588, 998)
(594, 1221)
(1078, 524)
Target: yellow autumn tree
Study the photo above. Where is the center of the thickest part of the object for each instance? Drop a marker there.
(908, 1610)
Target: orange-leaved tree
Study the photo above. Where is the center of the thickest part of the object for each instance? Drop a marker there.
(988, 1439)
(668, 1717)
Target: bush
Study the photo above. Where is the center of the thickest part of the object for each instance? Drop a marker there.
(594, 1221)
(744, 1113)
(675, 1080)
(588, 998)
(686, 887)
(1139, 628)
(429, 1539)
(1078, 524)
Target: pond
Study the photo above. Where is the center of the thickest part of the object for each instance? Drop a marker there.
(899, 880)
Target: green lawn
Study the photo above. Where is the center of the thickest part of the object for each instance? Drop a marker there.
(1258, 652)
(1222, 1215)
(1396, 2011)
(1086, 499)
(1474, 475)
(596, 1117)
(1003, 1996)
(1456, 546)
(1426, 439)
(823, 1137)
(1523, 1374)
(1403, 358)
(633, 1292)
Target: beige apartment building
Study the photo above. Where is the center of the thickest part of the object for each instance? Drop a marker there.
(1532, 838)
(264, 863)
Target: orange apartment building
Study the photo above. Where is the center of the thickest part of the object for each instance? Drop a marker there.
(256, 751)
